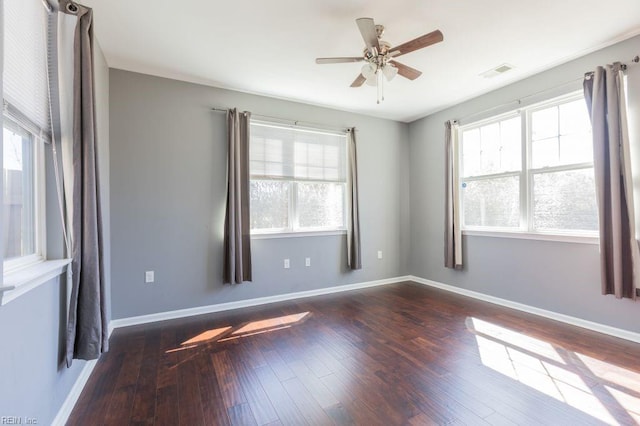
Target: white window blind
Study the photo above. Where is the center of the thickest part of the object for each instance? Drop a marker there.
(298, 179)
(25, 67)
(283, 153)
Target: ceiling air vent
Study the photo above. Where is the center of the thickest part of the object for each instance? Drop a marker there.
(494, 72)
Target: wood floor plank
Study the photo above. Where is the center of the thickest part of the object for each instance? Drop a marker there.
(213, 408)
(306, 403)
(339, 415)
(320, 392)
(144, 407)
(232, 394)
(284, 406)
(167, 412)
(393, 355)
(421, 419)
(279, 367)
(94, 399)
(257, 399)
(241, 415)
(191, 412)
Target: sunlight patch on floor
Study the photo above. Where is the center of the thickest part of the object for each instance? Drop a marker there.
(612, 373)
(223, 334)
(559, 373)
(206, 335)
(630, 403)
(261, 331)
(271, 323)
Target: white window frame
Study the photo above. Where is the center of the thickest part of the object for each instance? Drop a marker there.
(293, 229)
(23, 274)
(526, 229)
(39, 199)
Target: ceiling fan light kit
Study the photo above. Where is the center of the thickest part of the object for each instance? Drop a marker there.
(379, 56)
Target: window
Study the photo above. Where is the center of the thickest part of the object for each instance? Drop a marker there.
(298, 179)
(530, 171)
(21, 182)
(26, 126)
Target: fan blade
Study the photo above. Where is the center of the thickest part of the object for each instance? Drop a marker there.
(359, 81)
(418, 43)
(368, 30)
(406, 71)
(338, 60)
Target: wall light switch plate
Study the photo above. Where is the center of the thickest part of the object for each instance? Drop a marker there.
(307, 261)
(287, 264)
(149, 276)
(379, 254)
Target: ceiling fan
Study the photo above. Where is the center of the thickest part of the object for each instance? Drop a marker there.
(379, 55)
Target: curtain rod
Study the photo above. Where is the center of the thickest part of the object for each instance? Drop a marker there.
(300, 123)
(516, 102)
(623, 67)
(634, 61)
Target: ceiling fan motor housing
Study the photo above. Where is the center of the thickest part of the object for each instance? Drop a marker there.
(380, 58)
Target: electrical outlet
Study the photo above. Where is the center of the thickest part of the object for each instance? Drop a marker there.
(149, 276)
(379, 254)
(287, 264)
(307, 261)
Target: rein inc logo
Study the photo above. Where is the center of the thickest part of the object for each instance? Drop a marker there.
(17, 420)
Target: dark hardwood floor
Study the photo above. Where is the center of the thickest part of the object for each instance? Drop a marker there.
(392, 355)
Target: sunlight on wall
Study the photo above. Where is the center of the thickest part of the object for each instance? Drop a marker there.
(577, 380)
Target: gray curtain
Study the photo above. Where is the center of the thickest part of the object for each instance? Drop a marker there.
(452, 232)
(87, 332)
(354, 256)
(605, 95)
(237, 236)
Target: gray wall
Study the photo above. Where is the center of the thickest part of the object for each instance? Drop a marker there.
(558, 276)
(168, 168)
(34, 380)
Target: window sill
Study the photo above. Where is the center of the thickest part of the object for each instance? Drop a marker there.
(30, 277)
(265, 236)
(568, 238)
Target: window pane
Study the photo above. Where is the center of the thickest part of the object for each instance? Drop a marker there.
(576, 148)
(565, 201)
(320, 205)
(510, 136)
(494, 148)
(545, 153)
(269, 204)
(544, 123)
(492, 202)
(471, 152)
(19, 197)
(561, 135)
(574, 117)
(490, 149)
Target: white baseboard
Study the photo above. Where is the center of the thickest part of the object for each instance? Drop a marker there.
(70, 402)
(589, 325)
(163, 316)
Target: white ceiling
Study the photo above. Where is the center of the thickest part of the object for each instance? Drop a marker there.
(269, 47)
